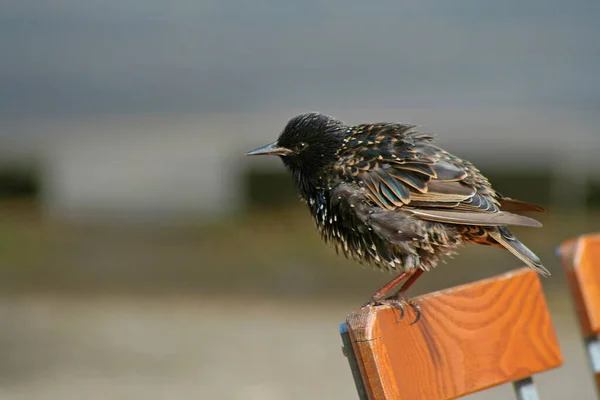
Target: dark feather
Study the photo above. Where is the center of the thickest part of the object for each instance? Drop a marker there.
(414, 179)
(448, 172)
(518, 249)
(475, 218)
(432, 204)
(450, 188)
(508, 204)
(425, 169)
(395, 191)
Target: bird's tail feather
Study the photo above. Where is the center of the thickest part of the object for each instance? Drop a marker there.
(518, 249)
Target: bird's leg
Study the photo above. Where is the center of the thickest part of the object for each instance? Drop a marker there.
(409, 282)
(400, 296)
(381, 293)
(399, 299)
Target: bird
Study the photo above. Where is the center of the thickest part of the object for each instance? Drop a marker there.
(386, 195)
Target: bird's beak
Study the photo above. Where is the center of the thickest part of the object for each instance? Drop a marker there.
(272, 149)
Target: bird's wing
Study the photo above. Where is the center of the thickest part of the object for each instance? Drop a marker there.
(397, 168)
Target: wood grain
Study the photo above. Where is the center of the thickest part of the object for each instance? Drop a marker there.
(469, 338)
(581, 262)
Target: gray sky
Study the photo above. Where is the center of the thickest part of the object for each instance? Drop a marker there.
(65, 57)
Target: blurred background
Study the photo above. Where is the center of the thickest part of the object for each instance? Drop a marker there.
(143, 256)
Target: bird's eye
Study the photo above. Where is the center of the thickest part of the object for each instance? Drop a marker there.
(301, 146)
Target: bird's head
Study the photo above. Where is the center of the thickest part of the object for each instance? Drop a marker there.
(307, 146)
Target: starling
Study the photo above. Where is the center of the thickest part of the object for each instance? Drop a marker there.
(386, 195)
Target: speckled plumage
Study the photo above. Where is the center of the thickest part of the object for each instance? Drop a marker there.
(386, 195)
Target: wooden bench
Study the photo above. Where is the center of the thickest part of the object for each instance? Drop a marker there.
(469, 338)
(581, 262)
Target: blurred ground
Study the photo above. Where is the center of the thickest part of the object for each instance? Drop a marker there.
(244, 309)
(57, 347)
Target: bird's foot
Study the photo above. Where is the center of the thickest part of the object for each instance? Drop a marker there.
(398, 301)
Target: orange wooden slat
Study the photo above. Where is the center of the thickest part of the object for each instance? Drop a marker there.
(469, 338)
(581, 262)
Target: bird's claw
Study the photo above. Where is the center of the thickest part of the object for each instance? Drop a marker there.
(399, 303)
